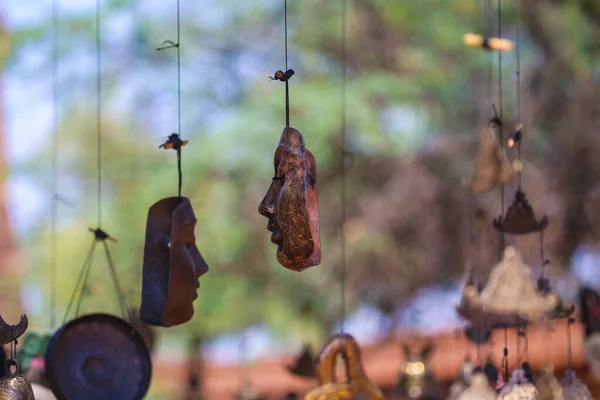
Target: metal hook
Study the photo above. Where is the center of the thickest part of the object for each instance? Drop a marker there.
(171, 45)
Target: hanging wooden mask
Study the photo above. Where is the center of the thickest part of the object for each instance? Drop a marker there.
(492, 168)
(358, 386)
(520, 218)
(14, 386)
(518, 388)
(511, 297)
(172, 264)
(305, 364)
(292, 205)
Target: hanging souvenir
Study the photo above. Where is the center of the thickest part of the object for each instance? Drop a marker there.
(548, 385)
(478, 389)
(511, 297)
(518, 388)
(492, 168)
(292, 206)
(172, 264)
(100, 357)
(13, 385)
(520, 218)
(358, 385)
(304, 365)
(573, 388)
(416, 380)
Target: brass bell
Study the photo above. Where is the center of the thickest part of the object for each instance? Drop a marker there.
(492, 168)
(14, 386)
(305, 364)
(520, 218)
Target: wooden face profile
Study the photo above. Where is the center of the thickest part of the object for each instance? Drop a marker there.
(358, 385)
(172, 264)
(292, 205)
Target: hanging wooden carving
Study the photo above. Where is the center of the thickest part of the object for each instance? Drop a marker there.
(172, 264)
(492, 168)
(518, 388)
(520, 218)
(13, 385)
(358, 386)
(292, 205)
(511, 297)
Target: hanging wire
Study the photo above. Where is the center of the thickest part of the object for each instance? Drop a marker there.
(99, 109)
(343, 158)
(500, 127)
(54, 194)
(570, 322)
(518, 80)
(287, 85)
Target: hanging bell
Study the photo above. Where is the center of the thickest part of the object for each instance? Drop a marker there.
(520, 218)
(519, 388)
(14, 386)
(305, 364)
(358, 385)
(492, 168)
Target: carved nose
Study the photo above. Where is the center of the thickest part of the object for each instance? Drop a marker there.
(266, 210)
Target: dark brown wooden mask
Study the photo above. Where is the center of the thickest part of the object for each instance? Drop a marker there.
(14, 386)
(172, 264)
(292, 205)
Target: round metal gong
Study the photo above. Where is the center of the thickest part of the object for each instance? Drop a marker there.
(98, 357)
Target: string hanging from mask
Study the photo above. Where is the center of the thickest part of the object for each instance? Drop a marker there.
(174, 141)
(54, 171)
(284, 76)
(100, 236)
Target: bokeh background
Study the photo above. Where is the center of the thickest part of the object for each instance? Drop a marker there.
(416, 100)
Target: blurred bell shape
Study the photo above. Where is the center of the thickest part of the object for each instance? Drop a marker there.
(478, 334)
(478, 389)
(520, 218)
(519, 388)
(573, 388)
(304, 365)
(492, 168)
(548, 385)
(14, 386)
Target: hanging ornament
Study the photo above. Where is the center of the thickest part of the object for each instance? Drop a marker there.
(305, 364)
(573, 388)
(479, 389)
(172, 264)
(511, 297)
(13, 385)
(358, 385)
(416, 380)
(98, 356)
(477, 334)
(492, 168)
(548, 385)
(518, 388)
(520, 218)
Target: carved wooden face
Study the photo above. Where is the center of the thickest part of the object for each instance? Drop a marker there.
(291, 204)
(172, 264)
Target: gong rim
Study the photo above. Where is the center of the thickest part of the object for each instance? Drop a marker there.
(59, 380)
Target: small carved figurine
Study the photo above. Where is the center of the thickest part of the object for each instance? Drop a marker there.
(519, 388)
(357, 387)
(292, 205)
(511, 297)
(492, 168)
(172, 264)
(520, 218)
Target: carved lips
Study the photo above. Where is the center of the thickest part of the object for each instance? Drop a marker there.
(292, 205)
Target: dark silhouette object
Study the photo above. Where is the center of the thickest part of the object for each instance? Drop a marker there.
(589, 303)
(13, 385)
(490, 370)
(478, 335)
(172, 264)
(305, 364)
(10, 333)
(98, 357)
(2, 362)
(520, 218)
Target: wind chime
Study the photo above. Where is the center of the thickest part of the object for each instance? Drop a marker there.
(357, 384)
(512, 297)
(572, 387)
(98, 355)
(13, 385)
(172, 262)
(291, 203)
